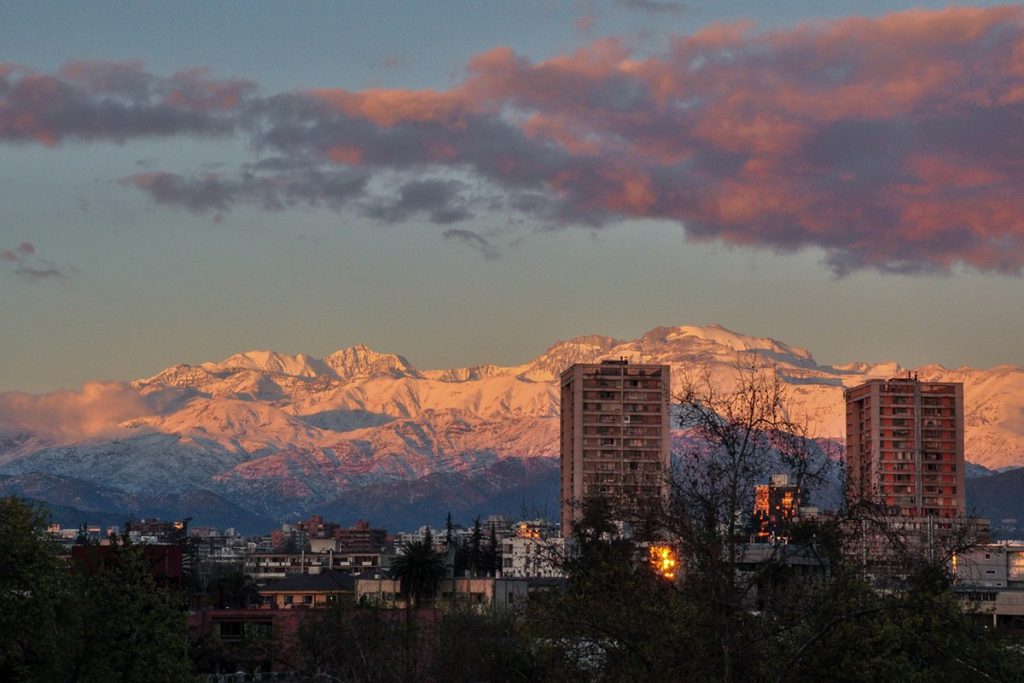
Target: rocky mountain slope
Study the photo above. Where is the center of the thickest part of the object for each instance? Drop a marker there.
(281, 435)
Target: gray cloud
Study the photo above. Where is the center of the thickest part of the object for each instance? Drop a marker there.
(97, 101)
(28, 266)
(473, 239)
(655, 6)
(37, 274)
(214, 193)
(439, 200)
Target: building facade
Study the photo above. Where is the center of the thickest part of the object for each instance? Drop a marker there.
(615, 436)
(905, 446)
(532, 557)
(989, 580)
(776, 506)
(268, 566)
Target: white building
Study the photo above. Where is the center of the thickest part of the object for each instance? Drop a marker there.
(990, 582)
(529, 557)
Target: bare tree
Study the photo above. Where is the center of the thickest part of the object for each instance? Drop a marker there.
(738, 436)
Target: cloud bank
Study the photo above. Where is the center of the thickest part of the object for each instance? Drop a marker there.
(28, 265)
(891, 143)
(94, 411)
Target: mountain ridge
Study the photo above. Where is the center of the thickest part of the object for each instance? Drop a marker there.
(277, 433)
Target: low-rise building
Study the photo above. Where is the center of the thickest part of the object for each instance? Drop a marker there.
(309, 590)
(267, 566)
(252, 639)
(480, 593)
(989, 580)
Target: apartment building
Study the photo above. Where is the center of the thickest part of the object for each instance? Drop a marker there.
(615, 438)
(905, 446)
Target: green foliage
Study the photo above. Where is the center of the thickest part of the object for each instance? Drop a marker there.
(616, 617)
(30, 584)
(231, 589)
(484, 647)
(475, 550)
(856, 633)
(129, 628)
(342, 643)
(110, 624)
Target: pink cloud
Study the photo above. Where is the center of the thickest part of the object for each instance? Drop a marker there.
(389, 107)
(95, 410)
(890, 143)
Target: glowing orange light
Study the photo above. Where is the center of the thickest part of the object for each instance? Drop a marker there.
(527, 531)
(664, 561)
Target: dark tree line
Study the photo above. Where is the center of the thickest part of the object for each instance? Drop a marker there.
(109, 623)
(475, 556)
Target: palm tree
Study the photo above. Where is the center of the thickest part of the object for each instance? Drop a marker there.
(419, 569)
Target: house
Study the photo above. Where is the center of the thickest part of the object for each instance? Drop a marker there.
(309, 590)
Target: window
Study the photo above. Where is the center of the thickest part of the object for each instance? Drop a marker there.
(1016, 565)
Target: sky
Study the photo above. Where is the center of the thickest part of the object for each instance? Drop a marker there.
(466, 182)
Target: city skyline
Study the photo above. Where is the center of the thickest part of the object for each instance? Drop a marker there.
(465, 185)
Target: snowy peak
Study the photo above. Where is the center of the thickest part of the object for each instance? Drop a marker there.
(716, 336)
(271, 361)
(666, 345)
(883, 370)
(470, 374)
(560, 355)
(254, 367)
(181, 376)
(361, 361)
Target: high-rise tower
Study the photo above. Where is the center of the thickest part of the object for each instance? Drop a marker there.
(615, 435)
(905, 446)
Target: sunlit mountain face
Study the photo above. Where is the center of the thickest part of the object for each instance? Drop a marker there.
(277, 435)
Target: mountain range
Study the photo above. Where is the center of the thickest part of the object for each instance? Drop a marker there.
(362, 433)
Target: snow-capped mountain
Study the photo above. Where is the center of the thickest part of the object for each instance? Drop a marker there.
(280, 434)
